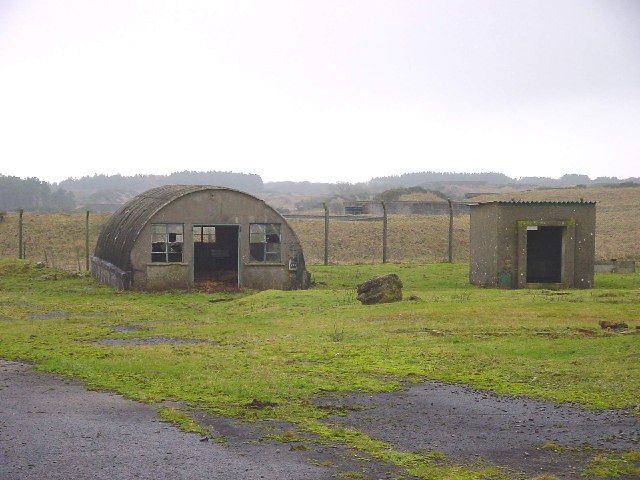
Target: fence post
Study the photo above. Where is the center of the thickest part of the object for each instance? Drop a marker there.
(450, 231)
(384, 233)
(86, 240)
(326, 233)
(20, 246)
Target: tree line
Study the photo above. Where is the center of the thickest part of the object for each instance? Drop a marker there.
(139, 183)
(33, 194)
(492, 178)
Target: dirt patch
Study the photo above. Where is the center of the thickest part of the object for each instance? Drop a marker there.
(152, 341)
(259, 405)
(216, 286)
(49, 315)
(125, 329)
(282, 439)
(466, 425)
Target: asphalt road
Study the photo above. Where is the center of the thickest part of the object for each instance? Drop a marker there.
(468, 425)
(52, 428)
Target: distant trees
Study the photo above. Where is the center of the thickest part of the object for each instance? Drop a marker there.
(33, 194)
(37, 195)
(433, 179)
(139, 183)
(429, 178)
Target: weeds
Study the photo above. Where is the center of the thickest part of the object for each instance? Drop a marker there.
(614, 465)
(336, 336)
(181, 419)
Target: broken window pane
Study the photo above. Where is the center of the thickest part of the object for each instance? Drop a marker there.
(264, 242)
(167, 241)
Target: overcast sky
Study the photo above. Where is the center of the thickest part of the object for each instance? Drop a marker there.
(319, 90)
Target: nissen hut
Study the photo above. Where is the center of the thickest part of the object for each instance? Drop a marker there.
(533, 244)
(183, 236)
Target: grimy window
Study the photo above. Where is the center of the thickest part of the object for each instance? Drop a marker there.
(167, 240)
(264, 242)
(204, 234)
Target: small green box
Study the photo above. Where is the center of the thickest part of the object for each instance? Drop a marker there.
(504, 279)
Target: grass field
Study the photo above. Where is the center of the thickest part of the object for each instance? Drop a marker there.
(226, 351)
(59, 238)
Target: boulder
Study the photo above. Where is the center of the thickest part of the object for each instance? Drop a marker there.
(384, 289)
(617, 326)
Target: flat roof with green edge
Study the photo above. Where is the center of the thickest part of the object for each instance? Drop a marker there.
(531, 203)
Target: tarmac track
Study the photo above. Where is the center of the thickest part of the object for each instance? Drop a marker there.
(53, 428)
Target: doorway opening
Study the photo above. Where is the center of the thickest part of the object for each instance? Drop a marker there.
(215, 257)
(544, 254)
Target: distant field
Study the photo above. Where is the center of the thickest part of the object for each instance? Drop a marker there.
(411, 238)
(58, 237)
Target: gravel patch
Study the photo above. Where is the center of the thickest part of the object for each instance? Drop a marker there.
(125, 329)
(50, 315)
(467, 424)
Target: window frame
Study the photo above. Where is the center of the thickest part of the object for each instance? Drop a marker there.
(200, 235)
(164, 247)
(269, 251)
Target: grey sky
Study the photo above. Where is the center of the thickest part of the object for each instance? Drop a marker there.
(319, 91)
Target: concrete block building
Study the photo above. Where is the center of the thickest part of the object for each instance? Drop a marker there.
(532, 244)
(182, 236)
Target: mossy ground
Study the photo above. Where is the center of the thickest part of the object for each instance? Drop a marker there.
(283, 348)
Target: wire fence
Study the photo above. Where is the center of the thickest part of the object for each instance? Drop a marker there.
(59, 239)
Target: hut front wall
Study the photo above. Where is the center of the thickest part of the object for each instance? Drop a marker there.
(578, 222)
(498, 257)
(219, 208)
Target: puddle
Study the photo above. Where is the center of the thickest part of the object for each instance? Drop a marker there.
(125, 329)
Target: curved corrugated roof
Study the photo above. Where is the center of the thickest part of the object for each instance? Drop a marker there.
(119, 234)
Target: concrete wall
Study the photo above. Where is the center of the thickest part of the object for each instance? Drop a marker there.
(218, 207)
(483, 258)
(166, 276)
(109, 274)
(507, 238)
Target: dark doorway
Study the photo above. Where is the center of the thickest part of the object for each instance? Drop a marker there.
(544, 254)
(215, 257)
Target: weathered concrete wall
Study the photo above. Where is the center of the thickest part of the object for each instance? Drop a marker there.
(509, 241)
(218, 207)
(167, 276)
(109, 274)
(483, 258)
